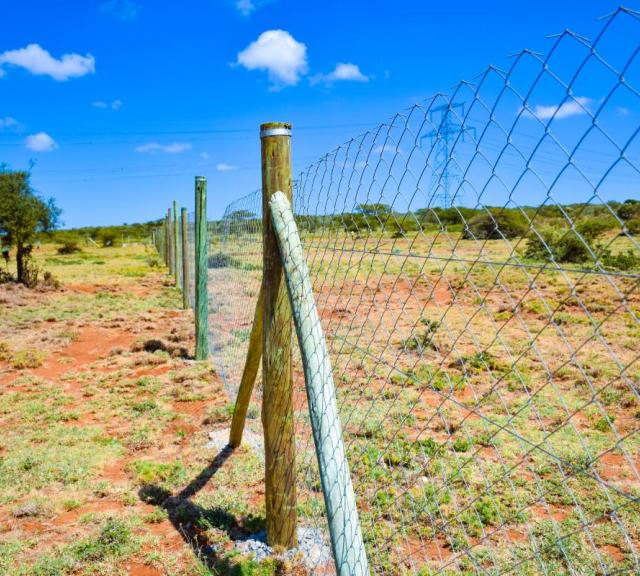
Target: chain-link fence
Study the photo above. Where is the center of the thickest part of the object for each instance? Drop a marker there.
(476, 265)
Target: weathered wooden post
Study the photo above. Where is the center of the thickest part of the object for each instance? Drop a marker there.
(202, 304)
(167, 260)
(185, 260)
(176, 244)
(170, 251)
(277, 396)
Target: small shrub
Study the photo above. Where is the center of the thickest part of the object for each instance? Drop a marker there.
(69, 247)
(495, 225)
(158, 472)
(622, 261)
(633, 227)
(27, 359)
(566, 247)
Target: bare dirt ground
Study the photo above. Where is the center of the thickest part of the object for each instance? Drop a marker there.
(104, 424)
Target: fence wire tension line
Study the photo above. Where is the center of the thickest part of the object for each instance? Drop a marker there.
(439, 323)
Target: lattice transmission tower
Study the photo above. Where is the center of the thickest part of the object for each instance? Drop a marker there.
(442, 139)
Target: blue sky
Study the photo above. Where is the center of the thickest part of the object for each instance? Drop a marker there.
(120, 103)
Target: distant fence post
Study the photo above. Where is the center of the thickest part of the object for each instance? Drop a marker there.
(170, 252)
(167, 260)
(185, 259)
(176, 244)
(277, 401)
(202, 304)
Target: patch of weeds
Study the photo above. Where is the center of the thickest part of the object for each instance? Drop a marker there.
(148, 472)
(144, 406)
(460, 444)
(114, 541)
(604, 425)
(155, 516)
(71, 504)
(27, 359)
(219, 414)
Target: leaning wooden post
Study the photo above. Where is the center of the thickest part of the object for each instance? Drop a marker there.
(176, 244)
(185, 260)
(277, 401)
(251, 365)
(202, 303)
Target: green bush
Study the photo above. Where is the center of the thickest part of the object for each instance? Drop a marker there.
(592, 228)
(633, 226)
(495, 224)
(549, 245)
(69, 247)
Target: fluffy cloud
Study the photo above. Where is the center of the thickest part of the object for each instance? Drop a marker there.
(122, 9)
(172, 148)
(10, 124)
(573, 107)
(342, 72)
(115, 105)
(38, 61)
(40, 142)
(279, 54)
(222, 167)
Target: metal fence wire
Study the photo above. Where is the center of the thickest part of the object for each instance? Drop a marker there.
(475, 264)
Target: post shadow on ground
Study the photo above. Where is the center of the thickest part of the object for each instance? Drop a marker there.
(191, 520)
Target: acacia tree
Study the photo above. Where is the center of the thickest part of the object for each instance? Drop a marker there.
(23, 214)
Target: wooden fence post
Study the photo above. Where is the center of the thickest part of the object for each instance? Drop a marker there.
(186, 300)
(170, 252)
(176, 244)
(202, 303)
(167, 260)
(277, 396)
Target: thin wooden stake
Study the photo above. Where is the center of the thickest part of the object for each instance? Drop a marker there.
(251, 365)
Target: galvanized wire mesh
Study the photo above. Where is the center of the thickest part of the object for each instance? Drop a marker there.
(235, 274)
(476, 268)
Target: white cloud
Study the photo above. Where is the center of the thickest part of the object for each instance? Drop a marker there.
(122, 9)
(39, 62)
(10, 124)
(222, 167)
(204, 155)
(342, 72)
(115, 105)
(172, 148)
(386, 149)
(278, 53)
(40, 142)
(623, 111)
(574, 107)
(245, 7)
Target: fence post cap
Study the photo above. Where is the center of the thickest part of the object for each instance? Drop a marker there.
(275, 129)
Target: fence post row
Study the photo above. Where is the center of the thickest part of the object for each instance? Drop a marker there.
(185, 259)
(202, 304)
(277, 398)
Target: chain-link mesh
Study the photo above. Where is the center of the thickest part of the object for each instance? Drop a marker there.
(235, 274)
(476, 268)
